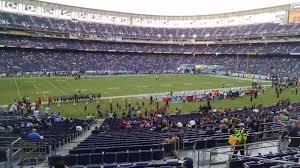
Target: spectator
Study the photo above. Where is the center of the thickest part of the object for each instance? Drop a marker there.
(34, 136)
(79, 128)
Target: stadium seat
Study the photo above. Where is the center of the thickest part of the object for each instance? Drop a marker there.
(146, 155)
(84, 159)
(158, 154)
(134, 156)
(96, 158)
(121, 157)
(56, 161)
(109, 157)
(78, 166)
(112, 165)
(71, 160)
(125, 165)
(141, 164)
(166, 166)
(277, 166)
(253, 164)
(93, 166)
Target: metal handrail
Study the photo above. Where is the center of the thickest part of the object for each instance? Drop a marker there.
(177, 145)
(11, 152)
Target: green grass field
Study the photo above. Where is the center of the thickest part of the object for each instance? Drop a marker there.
(13, 88)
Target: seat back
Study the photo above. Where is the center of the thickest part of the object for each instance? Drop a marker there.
(96, 158)
(109, 157)
(121, 157)
(134, 156)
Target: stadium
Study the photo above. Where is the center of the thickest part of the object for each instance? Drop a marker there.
(87, 86)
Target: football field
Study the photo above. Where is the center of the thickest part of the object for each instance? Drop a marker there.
(15, 88)
(33, 87)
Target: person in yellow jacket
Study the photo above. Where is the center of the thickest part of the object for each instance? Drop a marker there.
(238, 139)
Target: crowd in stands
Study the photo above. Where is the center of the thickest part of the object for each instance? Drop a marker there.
(23, 60)
(137, 139)
(89, 45)
(141, 138)
(134, 32)
(34, 121)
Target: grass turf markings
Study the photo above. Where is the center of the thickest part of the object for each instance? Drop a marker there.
(142, 86)
(114, 88)
(166, 85)
(18, 90)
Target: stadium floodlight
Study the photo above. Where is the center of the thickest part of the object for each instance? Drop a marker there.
(194, 35)
(182, 35)
(158, 35)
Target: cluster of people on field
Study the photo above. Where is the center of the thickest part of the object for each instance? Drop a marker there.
(76, 97)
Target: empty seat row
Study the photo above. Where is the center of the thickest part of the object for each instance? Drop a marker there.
(80, 150)
(130, 165)
(107, 157)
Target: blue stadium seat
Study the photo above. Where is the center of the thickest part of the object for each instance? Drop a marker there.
(84, 159)
(134, 156)
(121, 157)
(200, 144)
(96, 158)
(146, 155)
(71, 160)
(93, 166)
(166, 166)
(158, 154)
(112, 165)
(253, 164)
(78, 166)
(141, 164)
(109, 157)
(295, 166)
(123, 165)
(56, 161)
(277, 166)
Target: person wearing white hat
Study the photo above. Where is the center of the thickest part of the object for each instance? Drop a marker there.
(179, 125)
(192, 123)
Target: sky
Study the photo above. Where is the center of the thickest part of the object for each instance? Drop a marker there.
(174, 7)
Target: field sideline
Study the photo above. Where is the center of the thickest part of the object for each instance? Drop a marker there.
(15, 88)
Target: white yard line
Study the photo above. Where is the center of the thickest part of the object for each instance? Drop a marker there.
(49, 81)
(37, 92)
(166, 85)
(16, 83)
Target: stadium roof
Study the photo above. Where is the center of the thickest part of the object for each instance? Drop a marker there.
(174, 7)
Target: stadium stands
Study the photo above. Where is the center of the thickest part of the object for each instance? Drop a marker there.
(10, 20)
(28, 60)
(134, 145)
(49, 45)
